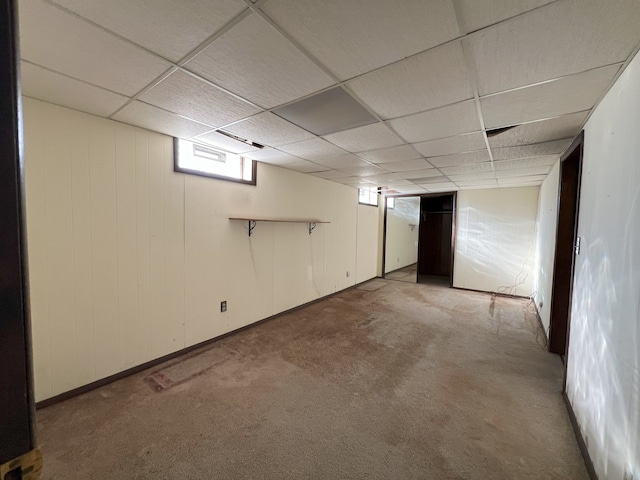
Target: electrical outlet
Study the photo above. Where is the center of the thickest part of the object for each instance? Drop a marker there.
(223, 306)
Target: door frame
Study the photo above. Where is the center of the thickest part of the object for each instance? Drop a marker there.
(17, 416)
(559, 341)
(453, 228)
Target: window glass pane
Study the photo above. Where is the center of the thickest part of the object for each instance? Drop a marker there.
(209, 161)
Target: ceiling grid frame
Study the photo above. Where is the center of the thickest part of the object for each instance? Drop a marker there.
(473, 77)
(251, 8)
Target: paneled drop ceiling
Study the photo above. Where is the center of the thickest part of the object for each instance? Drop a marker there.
(396, 94)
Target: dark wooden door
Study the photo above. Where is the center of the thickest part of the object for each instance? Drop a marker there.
(436, 228)
(16, 398)
(566, 236)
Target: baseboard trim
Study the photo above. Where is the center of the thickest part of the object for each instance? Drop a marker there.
(505, 295)
(152, 363)
(581, 443)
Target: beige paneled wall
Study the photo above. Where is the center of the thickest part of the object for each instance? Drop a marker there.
(547, 222)
(496, 239)
(129, 260)
(366, 250)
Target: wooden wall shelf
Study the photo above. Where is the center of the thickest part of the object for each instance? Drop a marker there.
(252, 221)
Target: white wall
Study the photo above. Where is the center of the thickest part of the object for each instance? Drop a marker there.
(603, 382)
(402, 239)
(547, 223)
(495, 240)
(367, 252)
(129, 260)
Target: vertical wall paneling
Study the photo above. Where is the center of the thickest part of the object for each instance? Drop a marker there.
(59, 248)
(126, 230)
(102, 170)
(546, 225)
(37, 235)
(366, 243)
(143, 242)
(129, 260)
(82, 250)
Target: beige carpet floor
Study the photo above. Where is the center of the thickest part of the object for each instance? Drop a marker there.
(400, 381)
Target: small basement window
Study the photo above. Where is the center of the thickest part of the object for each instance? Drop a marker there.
(368, 196)
(199, 159)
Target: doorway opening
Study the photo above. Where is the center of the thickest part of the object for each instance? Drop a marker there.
(419, 239)
(436, 239)
(567, 246)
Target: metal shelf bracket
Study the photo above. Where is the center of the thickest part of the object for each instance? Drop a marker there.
(311, 227)
(252, 225)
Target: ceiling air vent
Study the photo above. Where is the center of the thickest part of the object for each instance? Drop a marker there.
(240, 139)
(498, 131)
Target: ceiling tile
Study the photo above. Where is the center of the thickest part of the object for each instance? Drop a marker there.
(440, 187)
(428, 172)
(273, 156)
(557, 40)
(522, 172)
(439, 123)
(191, 97)
(383, 177)
(431, 180)
(327, 112)
(393, 154)
(477, 187)
(362, 139)
(330, 174)
(158, 120)
(526, 162)
(364, 171)
(357, 36)
(164, 21)
(352, 181)
(477, 14)
(474, 167)
(63, 42)
(305, 167)
(268, 129)
(566, 126)
(342, 161)
(529, 179)
(409, 189)
(431, 79)
(52, 87)
(256, 62)
(447, 146)
(395, 183)
(224, 142)
(460, 158)
(407, 165)
(481, 183)
(547, 148)
(466, 177)
(551, 99)
(313, 149)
